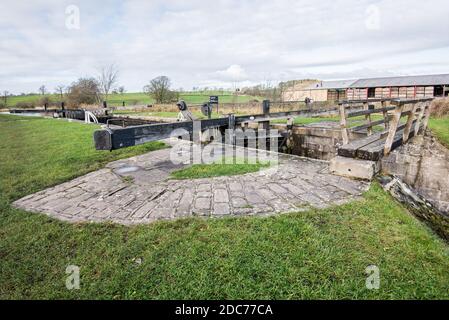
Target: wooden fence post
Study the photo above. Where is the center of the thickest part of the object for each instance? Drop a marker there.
(385, 113)
(408, 126)
(265, 125)
(266, 107)
(231, 129)
(290, 142)
(368, 119)
(393, 128)
(420, 118)
(344, 123)
(427, 116)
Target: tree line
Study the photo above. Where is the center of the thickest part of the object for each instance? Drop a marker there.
(96, 90)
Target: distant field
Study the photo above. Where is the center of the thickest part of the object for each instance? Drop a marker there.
(142, 98)
(12, 101)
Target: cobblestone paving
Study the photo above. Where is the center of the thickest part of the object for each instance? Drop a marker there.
(139, 190)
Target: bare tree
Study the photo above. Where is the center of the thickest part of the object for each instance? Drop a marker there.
(159, 89)
(60, 90)
(121, 90)
(43, 90)
(5, 97)
(107, 79)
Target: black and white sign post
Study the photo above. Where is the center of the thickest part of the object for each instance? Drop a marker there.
(214, 100)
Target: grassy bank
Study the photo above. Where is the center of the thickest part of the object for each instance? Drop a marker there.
(319, 254)
(40, 152)
(440, 128)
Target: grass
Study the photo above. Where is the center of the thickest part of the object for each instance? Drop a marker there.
(318, 254)
(200, 171)
(40, 152)
(440, 128)
(143, 99)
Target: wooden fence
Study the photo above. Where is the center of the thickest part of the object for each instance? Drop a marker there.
(393, 132)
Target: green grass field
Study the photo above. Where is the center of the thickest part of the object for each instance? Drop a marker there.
(144, 99)
(318, 254)
(440, 128)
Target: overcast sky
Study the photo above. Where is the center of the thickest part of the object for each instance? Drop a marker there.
(219, 43)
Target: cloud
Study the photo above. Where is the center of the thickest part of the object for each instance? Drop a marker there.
(246, 41)
(232, 73)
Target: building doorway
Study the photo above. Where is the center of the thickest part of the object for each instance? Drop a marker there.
(438, 91)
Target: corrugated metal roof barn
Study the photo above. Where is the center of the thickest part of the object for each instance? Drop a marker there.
(408, 87)
(431, 80)
(340, 84)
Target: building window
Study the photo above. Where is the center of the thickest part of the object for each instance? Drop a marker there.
(371, 92)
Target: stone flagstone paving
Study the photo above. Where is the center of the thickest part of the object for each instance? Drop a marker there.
(139, 190)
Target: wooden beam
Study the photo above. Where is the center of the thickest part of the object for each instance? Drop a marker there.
(369, 125)
(375, 150)
(350, 150)
(385, 113)
(344, 124)
(420, 118)
(368, 119)
(368, 112)
(394, 123)
(397, 102)
(285, 115)
(408, 126)
(364, 100)
(426, 117)
(265, 125)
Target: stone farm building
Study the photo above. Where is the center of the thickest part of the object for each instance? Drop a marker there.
(394, 87)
